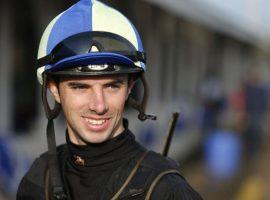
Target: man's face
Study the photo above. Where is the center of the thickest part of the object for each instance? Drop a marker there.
(93, 106)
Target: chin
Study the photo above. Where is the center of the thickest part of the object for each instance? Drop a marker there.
(97, 138)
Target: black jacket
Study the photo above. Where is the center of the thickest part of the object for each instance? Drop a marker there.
(170, 186)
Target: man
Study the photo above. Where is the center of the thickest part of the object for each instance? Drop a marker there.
(89, 58)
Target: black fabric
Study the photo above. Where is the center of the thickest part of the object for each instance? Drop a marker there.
(102, 160)
(167, 189)
(170, 186)
(107, 167)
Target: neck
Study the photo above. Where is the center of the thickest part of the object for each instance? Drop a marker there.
(103, 154)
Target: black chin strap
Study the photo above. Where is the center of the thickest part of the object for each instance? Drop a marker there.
(141, 106)
(54, 187)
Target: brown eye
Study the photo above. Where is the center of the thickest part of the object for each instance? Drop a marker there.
(114, 86)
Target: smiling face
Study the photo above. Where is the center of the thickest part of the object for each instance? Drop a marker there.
(93, 106)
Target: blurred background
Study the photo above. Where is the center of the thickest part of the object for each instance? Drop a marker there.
(207, 59)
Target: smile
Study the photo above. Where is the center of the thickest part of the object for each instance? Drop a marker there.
(95, 121)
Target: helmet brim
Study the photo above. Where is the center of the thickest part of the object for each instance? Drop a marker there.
(97, 58)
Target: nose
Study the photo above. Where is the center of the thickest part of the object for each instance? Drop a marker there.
(98, 103)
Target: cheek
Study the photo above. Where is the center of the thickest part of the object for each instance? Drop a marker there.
(73, 102)
(117, 102)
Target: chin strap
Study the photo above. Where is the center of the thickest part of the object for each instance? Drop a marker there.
(54, 185)
(141, 106)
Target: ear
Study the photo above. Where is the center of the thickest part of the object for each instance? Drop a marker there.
(54, 89)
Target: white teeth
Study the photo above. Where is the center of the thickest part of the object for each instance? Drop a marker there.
(95, 122)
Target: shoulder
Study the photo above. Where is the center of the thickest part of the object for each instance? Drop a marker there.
(173, 186)
(31, 185)
(34, 178)
(149, 168)
(157, 162)
(170, 184)
(37, 170)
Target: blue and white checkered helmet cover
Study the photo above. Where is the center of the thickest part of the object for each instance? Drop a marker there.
(87, 16)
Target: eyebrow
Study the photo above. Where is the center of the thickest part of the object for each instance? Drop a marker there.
(119, 81)
(80, 84)
(74, 83)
